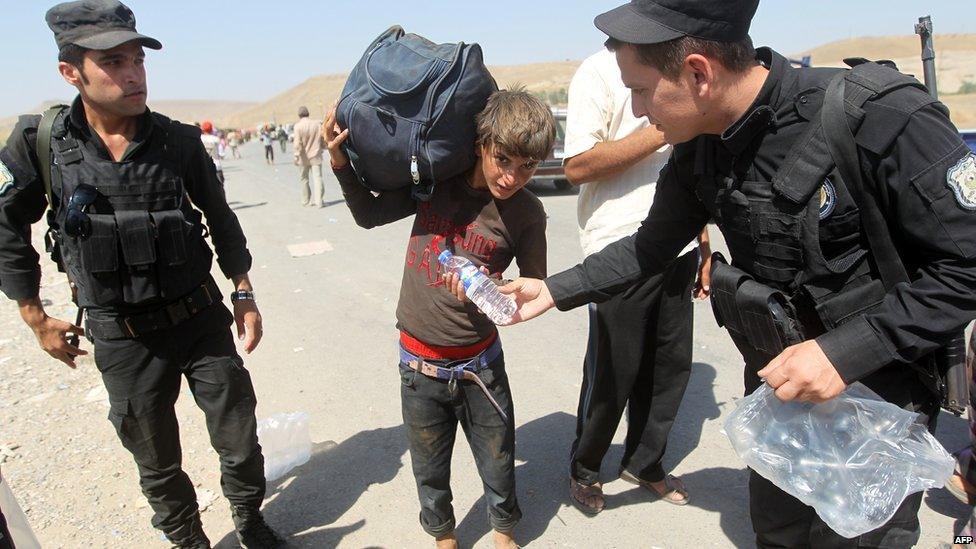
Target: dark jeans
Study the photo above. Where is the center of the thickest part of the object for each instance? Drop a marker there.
(638, 357)
(142, 377)
(780, 520)
(432, 409)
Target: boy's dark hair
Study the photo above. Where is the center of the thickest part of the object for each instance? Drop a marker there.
(668, 57)
(517, 122)
(72, 54)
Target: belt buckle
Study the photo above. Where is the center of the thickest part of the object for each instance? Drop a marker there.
(206, 290)
(127, 322)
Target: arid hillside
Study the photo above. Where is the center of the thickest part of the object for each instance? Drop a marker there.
(955, 64)
(318, 92)
(188, 111)
(955, 71)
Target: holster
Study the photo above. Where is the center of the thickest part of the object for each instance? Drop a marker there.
(761, 315)
(52, 244)
(950, 362)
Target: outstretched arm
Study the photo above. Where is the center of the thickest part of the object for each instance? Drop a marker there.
(674, 219)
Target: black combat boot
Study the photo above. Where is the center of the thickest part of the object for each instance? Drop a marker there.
(252, 531)
(195, 539)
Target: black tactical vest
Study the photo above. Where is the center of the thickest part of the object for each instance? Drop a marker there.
(146, 244)
(801, 233)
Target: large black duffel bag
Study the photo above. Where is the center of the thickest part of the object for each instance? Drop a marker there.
(410, 107)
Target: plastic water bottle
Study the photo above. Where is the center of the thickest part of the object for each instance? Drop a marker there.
(479, 288)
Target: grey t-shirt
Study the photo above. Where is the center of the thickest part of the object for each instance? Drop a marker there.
(469, 222)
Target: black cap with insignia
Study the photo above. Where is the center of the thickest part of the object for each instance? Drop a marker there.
(655, 21)
(95, 25)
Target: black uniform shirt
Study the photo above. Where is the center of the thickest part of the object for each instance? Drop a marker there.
(934, 230)
(23, 202)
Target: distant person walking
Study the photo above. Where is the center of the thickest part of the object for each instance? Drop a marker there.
(308, 158)
(234, 141)
(282, 138)
(267, 140)
(212, 144)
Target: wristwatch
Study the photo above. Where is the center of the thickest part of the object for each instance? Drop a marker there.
(242, 295)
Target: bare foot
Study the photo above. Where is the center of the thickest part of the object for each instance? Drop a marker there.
(504, 540)
(447, 541)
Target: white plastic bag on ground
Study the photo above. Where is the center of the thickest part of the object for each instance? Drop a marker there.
(854, 458)
(285, 443)
(20, 531)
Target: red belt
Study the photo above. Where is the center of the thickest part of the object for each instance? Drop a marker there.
(421, 349)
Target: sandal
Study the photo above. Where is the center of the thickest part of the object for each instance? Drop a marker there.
(960, 492)
(965, 493)
(672, 483)
(588, 499)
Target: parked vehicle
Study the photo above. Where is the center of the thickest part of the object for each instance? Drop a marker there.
(551, 170)
(969, 136)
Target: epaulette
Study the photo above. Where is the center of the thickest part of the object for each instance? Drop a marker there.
(177, 127)
(878, 101)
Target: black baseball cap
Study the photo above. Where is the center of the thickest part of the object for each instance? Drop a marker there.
(95, 25)
(655, 21)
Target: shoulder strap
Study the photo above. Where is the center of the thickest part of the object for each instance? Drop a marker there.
(867, 80)
(808, 161)
(843, 150)
(43, 146)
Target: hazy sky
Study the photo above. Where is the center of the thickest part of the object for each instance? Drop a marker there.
(252, 50)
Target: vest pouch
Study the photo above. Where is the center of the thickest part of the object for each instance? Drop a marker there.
(100, 250)
(170, 241)
(844, 306)
(98, 278)
(138, 240)
(184, 256)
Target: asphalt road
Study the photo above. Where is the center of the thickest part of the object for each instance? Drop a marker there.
(330, 350)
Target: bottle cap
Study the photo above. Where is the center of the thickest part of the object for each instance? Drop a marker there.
(445, 256)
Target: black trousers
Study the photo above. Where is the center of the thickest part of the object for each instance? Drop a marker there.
(780, 520)
(432, 410)
(142, 376)
(638, 357)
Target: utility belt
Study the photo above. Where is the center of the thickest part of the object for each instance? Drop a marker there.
(465, 369)
(167, 316)
(768, 321)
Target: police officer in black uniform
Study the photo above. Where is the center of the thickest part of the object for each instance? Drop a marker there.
(126, 190)
(752, 153)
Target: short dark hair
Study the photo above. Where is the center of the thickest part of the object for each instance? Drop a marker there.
(72, 54)
(668, 57)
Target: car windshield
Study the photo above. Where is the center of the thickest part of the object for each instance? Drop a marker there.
(970, 139)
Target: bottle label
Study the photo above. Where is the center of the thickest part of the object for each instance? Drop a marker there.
(468, 275)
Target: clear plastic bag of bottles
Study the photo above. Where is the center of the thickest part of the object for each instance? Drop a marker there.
(285, 443)
(854, 458)
(22, 537)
